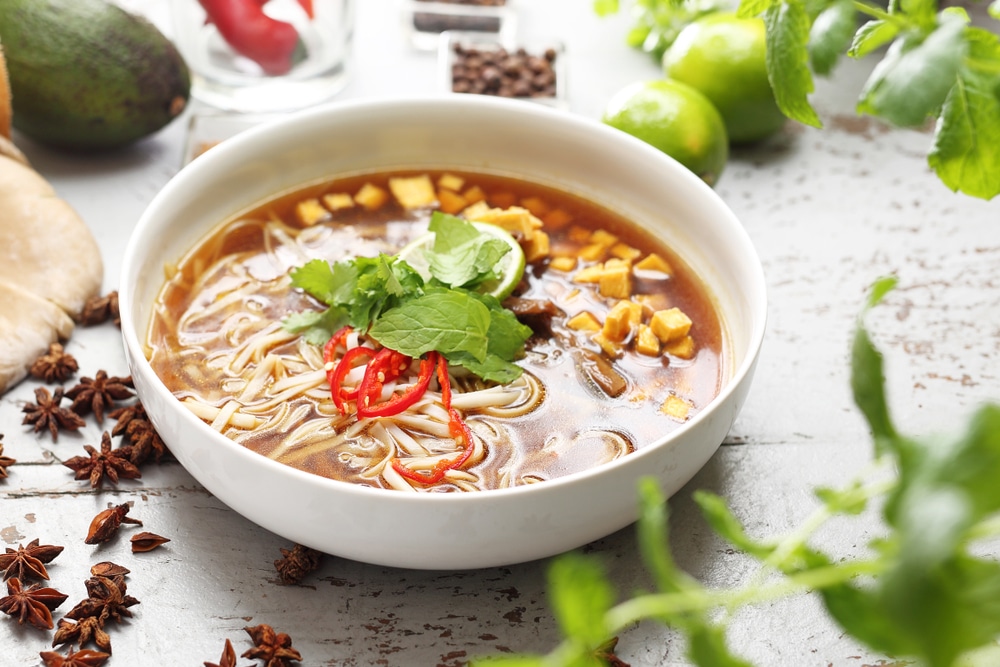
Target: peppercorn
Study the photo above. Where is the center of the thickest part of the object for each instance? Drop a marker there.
(501, 73)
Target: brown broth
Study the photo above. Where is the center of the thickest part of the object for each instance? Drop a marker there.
(558, 437)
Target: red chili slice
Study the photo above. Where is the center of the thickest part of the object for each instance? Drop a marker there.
(444, 381)
(460, 431)
(385, 368)
(337, 375)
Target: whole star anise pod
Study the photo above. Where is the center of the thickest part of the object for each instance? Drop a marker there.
(99, 393)
(56, 365)
(81, 632)
(106, 523)
(107, 600)
(27, 562)
(296, 563)
(99, 309)
(134, 425)
(274, 648)
(103, 463)
(46, 413)
(82, 658)
(228, 658)
(33, 604)
(5, 461)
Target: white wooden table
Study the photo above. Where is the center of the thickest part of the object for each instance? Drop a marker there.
(829, 211)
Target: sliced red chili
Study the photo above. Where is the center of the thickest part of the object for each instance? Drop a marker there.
(458, 430)
(337, 375)
(272, 44)
(444, 381)
(385, 370)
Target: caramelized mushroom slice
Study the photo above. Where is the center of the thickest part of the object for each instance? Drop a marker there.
(601, 372)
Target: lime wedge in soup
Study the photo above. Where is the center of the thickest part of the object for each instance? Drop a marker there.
(509, 269)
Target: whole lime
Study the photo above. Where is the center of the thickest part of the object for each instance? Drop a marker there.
(723, 56)
(676, 119)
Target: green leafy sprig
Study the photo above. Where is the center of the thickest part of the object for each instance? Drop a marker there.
(935, 65)
(390, 301)
(921, 593)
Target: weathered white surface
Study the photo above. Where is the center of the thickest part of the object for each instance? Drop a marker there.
(829, 211)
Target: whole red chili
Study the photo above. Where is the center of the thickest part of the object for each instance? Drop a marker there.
(272, 44)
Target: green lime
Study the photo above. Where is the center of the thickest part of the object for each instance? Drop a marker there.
(675, 118)
(723, 57)
(510, 269)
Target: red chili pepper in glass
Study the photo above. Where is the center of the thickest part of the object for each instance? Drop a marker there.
(272, 44)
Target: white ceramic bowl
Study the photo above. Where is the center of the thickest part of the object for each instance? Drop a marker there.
(459, 530)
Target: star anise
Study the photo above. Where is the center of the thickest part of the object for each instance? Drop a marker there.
(103, 463)
(228, 658)
(5, 461)
(134, 425)
(81, 632)
(274, 648)
(46, 413)
(99, 393)
(56, 365)
(108, 569)
(33, 604)
(296, 563)
(99, 309)
(25, 562)
(82, 658)
(107, 600)
(107, 522)
(143, 542)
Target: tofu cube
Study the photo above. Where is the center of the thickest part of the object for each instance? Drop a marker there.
(371, 196)
(578, 234)
(502, 199)
(682, 348)
(451, 182)
(603, 238)
(620, 320)
(336, 201)
(589, 274)
(670, 325)
(536, 205)
(474, 194)
(476, 210)
(616, 279)
(557, 218)
(536, 247)
(451, 202)
(653, 262)
(610, 347)
(646, 342)
(625, 251)
(676, 407)
(584, 321)
(592, 252)
(413, 191)
(310, 211)
(516, 220)
(564, 263)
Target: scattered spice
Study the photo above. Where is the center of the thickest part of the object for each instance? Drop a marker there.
(134, 425)
(228, 658)
(55, 366)
(107, 600)
(45, 412)
(296, 563)
(106, 523)
(5, 461)
(504, 74)
(113, 464)
(99, 309)
(143, 542)
(82, 658)
(108, 569)
(28, 562)
(31, 605)
(82, 632)
(99, 393)
(274, 648)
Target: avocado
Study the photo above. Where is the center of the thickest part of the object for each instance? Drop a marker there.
(87, 75)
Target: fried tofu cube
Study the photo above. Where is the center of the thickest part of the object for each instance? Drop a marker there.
(670, 325)
(557, 218)
(451, 182)
(451, 202)
(646, 342)
(592, 252)
(371, 196)
(310, 211)
(584, 321)
(620, 320)
(578, 234)
(502, 199)
(676, 407)
(338, 200)
(653, 262)
(516, 220)
(413, 191)
(536, 205)
(474, 194)
(610, 347)
(625, 251)
(536, 247)
(476, 210)
(616, 279)
(589, 274)
(682, 348)
(603, 238)
(651, 303)
(564, 263)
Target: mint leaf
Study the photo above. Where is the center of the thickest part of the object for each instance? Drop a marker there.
(831, 35)
(462, 256)
(722, 521)
(966, 152)
(871, 36)
(580, 596)
(913, 80)
(443, 320)
(492, 367)
(707, 647)
(787, 35)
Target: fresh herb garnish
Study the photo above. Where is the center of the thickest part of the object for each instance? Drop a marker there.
(936, 65)
(388, 299)
(921, 592)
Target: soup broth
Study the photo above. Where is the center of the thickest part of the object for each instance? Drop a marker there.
(605, 372)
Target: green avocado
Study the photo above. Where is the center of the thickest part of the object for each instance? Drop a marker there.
(87, 75)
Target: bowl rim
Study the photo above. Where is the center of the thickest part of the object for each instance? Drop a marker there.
(244, 142)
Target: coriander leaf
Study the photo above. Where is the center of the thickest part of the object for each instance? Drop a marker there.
(871, 36)
(442, 320)
(868, 378)
(787, 36)
(331, 284)
(580, 596)
(721, 519)
(316, 326)
(913, 80)
(966, 152)
(830, 35)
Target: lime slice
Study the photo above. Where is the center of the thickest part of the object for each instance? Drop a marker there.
(510, 268)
